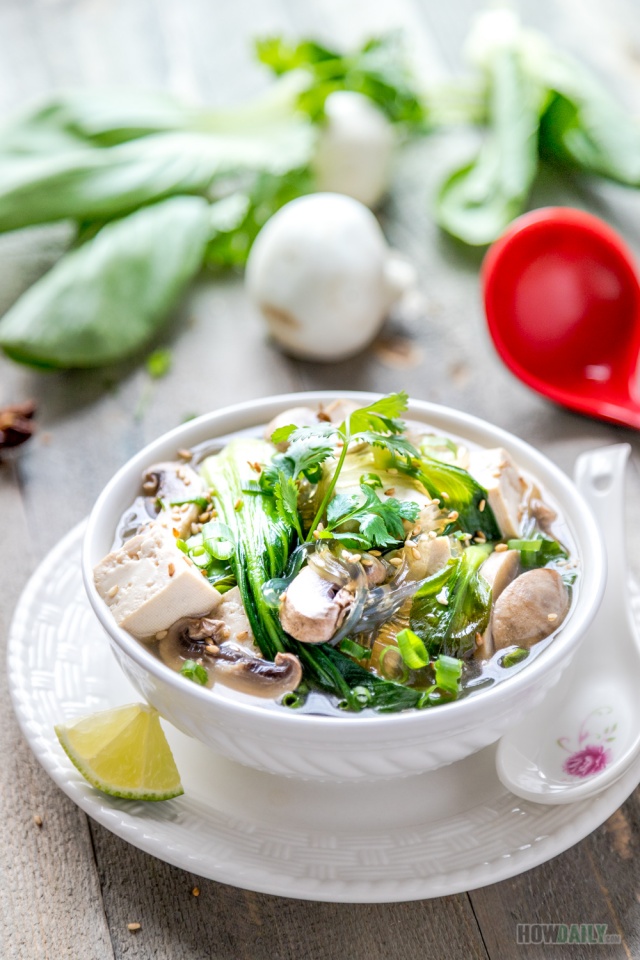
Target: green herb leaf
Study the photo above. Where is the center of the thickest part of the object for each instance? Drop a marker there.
(107, 299)
(194, 671)
(159, 363)
(379, 521)
(457, 490)
(286, 496)
(382, 416)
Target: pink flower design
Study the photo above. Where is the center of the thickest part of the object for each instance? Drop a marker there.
(591, 759)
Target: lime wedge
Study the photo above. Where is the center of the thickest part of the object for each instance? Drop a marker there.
(123, 752)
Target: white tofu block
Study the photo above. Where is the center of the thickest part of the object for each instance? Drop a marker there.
(148, 584)
(497, 473)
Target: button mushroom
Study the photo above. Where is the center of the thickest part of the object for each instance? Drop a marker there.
(529, 609)
(205, 639)
(314, 608)
(499, 570)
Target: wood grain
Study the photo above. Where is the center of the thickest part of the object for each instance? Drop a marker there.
(69, 888)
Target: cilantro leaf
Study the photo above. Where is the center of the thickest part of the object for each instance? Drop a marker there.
(398, 446)
(285, 492)
(380, 416)
(380, 521)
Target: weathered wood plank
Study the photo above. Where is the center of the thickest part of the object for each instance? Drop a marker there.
(50, 902)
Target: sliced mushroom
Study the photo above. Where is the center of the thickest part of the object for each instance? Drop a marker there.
(426, 555)
(260, 678)
(498, 570)
(192, 638)
(313, 608)
(173, 483)
(204, 639)
(529, 609)
(543, 513)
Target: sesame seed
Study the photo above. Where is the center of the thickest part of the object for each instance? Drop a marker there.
(242, 635)
(214, 513)
(416, 531)
(238, 505)
(552, 616)
(409, 542)
(316, 534)
(176, 533)
(355, 558)
(185, 455)
(161, 634)
(501, 547)
(432, 534)
(132, 927)
(113, 591)
(390, 492)
(444, 495)
(396, 561)
(320, 526)
(204, 517)
(171, 569)
(211, 648)
(482, 505)
(453, 515)
(226, 633)
(375, 553)
(415, 552)
(196, 892)
(37, 819)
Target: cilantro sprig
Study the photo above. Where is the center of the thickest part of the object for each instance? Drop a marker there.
(378, 424)
(380, 521)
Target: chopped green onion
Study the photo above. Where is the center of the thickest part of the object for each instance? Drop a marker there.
(218, 539)
(526, 545)
(352, 649)
(181, 545)
(413, 651)
(194, 671)
(292, 700)
(201, 502)
(514, 656)
(159, 363)
(362, 695)
(397, 669)
(371, 480)
(448, 673)
(160, 504)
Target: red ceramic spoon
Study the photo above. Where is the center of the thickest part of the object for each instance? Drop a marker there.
(562, 300)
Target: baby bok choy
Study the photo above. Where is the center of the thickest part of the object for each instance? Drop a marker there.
(264, 538)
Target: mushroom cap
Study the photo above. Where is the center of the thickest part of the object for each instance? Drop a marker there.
(529, 609)
(313, 607)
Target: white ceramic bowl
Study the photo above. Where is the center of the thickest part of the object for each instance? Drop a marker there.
(353, 747)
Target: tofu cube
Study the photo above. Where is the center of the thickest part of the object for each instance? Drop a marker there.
(149, 583)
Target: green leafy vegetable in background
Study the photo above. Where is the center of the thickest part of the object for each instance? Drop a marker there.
(376, 70)
(104, 300)
(477, 201)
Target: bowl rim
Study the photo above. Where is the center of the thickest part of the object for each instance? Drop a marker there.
(253, 413)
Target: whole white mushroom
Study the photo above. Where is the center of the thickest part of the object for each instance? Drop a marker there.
(354, 150)
(321, 273)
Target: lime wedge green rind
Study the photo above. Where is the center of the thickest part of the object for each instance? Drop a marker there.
(123, 752)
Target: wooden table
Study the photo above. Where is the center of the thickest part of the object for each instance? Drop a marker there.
(68, 888)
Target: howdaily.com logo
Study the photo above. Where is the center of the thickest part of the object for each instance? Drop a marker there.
(557, 933)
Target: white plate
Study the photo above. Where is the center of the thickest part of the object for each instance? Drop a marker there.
(425, 836)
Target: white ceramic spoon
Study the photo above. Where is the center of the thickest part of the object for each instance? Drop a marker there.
(587, 730)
